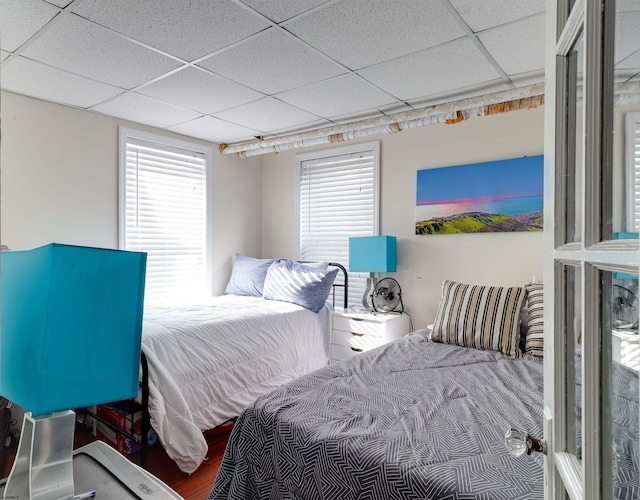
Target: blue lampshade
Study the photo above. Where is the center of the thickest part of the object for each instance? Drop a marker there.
(71, 326)
(372, 254)
(625, 235)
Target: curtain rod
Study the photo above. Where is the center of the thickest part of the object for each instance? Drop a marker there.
(451, 112)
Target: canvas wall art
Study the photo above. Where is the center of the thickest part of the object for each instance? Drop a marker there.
(495, 196)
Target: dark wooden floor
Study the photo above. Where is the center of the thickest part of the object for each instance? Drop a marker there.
(196, 486)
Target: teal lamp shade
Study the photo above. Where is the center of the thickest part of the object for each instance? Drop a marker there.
(71, 326)
(625, 235)
(372, 254)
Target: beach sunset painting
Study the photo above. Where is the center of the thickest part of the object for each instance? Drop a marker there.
(496, 196)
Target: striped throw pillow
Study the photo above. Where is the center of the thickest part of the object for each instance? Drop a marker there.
(535, 319)
(482, 317)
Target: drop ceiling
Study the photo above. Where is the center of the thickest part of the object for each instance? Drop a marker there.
(228, 71)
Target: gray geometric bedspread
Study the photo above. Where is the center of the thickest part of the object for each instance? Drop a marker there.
(409, 420)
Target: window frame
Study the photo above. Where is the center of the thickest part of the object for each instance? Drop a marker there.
(124, 135)
(369, 147)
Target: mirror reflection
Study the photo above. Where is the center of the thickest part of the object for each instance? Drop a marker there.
(574, 365)
(625, 210)
(621, 353)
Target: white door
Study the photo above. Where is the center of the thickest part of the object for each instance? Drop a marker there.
(591, 249)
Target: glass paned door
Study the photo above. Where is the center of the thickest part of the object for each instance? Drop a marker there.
(592, 345)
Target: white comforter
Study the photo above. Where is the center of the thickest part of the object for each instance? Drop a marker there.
(208, 361)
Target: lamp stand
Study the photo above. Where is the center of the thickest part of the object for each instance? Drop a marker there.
(43, 468)
(367, 298)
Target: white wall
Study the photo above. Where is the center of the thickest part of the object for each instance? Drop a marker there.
(425, 261)
(59, 183)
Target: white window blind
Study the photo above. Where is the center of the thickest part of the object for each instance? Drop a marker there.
(633, 171)
(163, 211)
(338, 198)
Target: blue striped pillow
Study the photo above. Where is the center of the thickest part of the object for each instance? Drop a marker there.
(482, 317)
(300, 284)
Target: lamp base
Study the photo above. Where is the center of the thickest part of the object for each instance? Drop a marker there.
(43, 469)
(367, 298)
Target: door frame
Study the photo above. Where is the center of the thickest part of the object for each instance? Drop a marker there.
(591, 254)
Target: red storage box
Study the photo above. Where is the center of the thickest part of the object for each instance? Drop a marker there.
(127, 416)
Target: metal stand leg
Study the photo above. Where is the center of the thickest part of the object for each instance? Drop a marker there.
(43, 469)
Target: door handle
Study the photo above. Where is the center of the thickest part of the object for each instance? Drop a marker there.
(519, 442)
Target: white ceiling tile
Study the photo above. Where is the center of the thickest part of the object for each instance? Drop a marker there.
(388, 30)
(21, 19)
(201, 91)
(187, 28)
(524, 79)
(214, 130)
(52, 84)
(450, 66)
(627, 5)
(141, 109)
(460, 94)
(625, 75)
(489, 13)
(352, 117)
(412, 50)
(267, 114)
(394, 108)
(281, 10)
(272, 62)
(517, 47)
(632, 61)
(346, 94)
(88, 49)
(60, 3)
(298, 129)
(627, 35)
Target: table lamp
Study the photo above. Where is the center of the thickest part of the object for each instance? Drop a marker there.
(372, 254)
(70, 337)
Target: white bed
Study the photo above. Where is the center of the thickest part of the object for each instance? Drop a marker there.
(208, 361)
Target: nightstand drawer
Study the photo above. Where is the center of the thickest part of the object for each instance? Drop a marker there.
(352, 332)
(357, 325)
(339, 352)
(357, 340)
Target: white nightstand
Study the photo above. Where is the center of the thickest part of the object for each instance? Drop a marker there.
(353, 333)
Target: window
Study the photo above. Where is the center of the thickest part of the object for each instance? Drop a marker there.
(633, 171)
(338, 198)
(163, 211)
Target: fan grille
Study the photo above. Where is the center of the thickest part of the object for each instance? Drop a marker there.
(387, 296)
